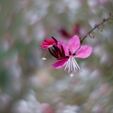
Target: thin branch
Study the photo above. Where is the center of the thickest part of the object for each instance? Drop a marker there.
(97, 27)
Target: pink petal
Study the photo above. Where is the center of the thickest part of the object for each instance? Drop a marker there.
(65, 48)
(48, 42)
(84, 51)
(73, 44)
(60, 63)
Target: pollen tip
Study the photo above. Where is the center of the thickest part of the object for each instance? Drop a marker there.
(44, 58)
(71, 75)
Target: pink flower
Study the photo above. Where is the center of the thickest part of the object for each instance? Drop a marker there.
(67, 53)
(48, 42)
(67, 35)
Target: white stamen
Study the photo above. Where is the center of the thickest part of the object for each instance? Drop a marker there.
(69, 62)
(43, 58)
(77, 65)
(71, 65)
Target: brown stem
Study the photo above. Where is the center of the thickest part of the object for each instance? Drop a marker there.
(96, 27)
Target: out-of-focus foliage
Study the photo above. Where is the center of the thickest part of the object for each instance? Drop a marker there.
(30, 85)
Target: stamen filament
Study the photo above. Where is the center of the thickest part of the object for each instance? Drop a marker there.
(71, 65)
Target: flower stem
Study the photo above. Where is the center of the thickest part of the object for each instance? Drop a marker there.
(97, 27)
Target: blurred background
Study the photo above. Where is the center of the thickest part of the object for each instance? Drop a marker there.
(28, 83)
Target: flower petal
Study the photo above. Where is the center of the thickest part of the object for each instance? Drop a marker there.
(48, 42)
(73, 44)
(84, 51)
(60, 63)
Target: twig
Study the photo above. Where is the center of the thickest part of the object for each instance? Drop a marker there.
(97, 27)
